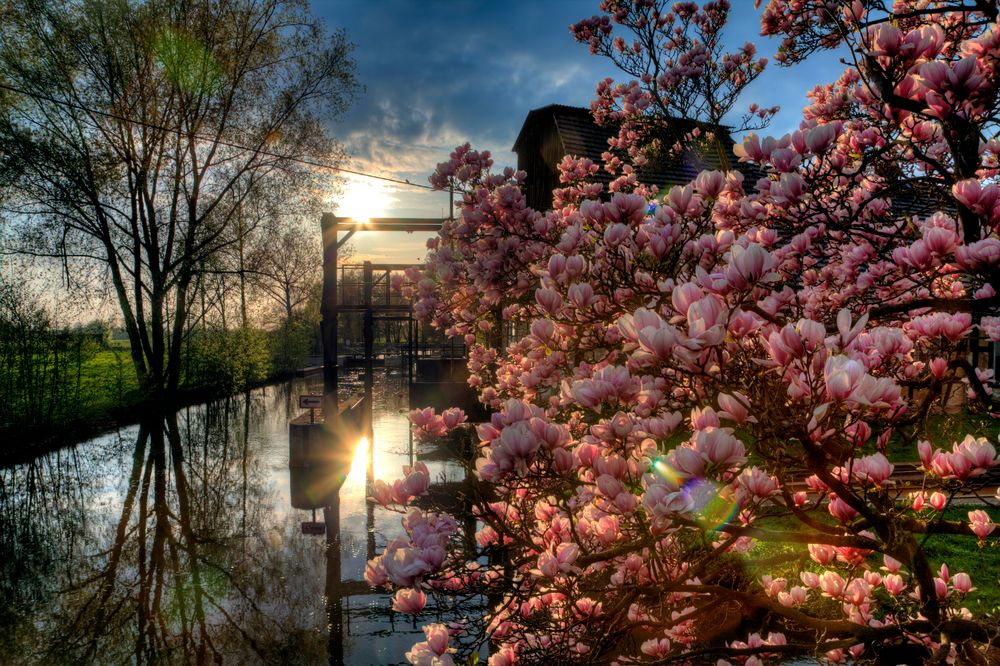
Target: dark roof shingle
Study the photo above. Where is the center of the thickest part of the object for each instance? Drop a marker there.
(581, 136)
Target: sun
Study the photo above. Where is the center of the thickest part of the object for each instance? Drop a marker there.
(363, 199)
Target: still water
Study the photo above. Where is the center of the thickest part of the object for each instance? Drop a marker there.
(174, 541)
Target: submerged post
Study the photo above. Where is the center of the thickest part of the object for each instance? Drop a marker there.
(334, 587)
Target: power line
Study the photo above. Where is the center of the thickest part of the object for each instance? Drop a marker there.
(221, 142)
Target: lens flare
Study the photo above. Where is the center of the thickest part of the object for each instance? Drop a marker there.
(668, 473)
(714, 505)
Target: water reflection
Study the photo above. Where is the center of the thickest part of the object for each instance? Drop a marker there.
(174, 542)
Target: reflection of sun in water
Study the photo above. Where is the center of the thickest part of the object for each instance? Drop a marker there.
(360, 462)
(364, 198)
(382, 468)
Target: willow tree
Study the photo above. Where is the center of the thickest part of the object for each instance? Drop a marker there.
(132, 134)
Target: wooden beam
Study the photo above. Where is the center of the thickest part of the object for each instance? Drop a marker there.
(382, 267)
(410, 224)
(347, 236)
(361, 307)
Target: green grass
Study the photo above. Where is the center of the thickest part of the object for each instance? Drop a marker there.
(108, 378)
(72, 394)
(961, 553)
(942, 430)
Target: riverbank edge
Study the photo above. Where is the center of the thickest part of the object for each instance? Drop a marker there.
(36, 441)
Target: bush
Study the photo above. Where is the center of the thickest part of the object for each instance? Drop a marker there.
(227, 360)
(41, 368)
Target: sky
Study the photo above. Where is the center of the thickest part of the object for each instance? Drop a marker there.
(439, 73)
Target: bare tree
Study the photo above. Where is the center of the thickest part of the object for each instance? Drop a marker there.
(286, 266)
(133, 133)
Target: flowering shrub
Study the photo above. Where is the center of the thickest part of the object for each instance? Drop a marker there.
(702, 371)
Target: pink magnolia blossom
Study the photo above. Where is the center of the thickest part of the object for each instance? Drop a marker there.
(758, 484)
(962, 583)
(434, 651)
(776, 321)
(832, 584)
(980, 524)
(822, 553)
(894, 584)
(656, 647)
(842, 376)
(841, 510)
(409, 600)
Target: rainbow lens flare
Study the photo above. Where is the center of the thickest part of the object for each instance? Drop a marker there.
(713, 505)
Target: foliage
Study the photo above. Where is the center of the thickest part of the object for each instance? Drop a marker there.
(227, 360)
(54, 377)
(774, 324)
(141, 138)
(42, 374)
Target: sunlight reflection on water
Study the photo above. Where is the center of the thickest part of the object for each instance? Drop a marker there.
(90, 574)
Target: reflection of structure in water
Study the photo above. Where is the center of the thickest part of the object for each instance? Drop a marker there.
(358, 303)
(109, 549)
(320, 459)
(320, 453)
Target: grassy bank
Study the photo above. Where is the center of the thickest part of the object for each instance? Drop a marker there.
(97, 390)
(942, 430)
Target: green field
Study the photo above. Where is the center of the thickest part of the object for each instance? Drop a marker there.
(108, 379)
(79, 398)
(961, 553)
(64, 387)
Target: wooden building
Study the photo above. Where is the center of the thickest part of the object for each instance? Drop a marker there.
(551, 132)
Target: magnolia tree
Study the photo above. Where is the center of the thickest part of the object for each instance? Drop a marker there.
(675, 54)
(689, 443)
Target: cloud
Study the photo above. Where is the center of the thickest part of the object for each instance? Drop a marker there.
(439, 74)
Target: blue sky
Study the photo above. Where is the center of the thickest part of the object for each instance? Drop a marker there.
(440, 73)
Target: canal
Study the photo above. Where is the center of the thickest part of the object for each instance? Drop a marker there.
(174, 541)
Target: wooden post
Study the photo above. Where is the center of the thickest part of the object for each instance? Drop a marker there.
(369, 334)
(329, 321)
(334, 586)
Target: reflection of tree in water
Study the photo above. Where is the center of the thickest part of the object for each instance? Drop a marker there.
(174, 543)
(179, 568)
(32, 521)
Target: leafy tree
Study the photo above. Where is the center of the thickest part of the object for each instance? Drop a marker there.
(136, 132)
